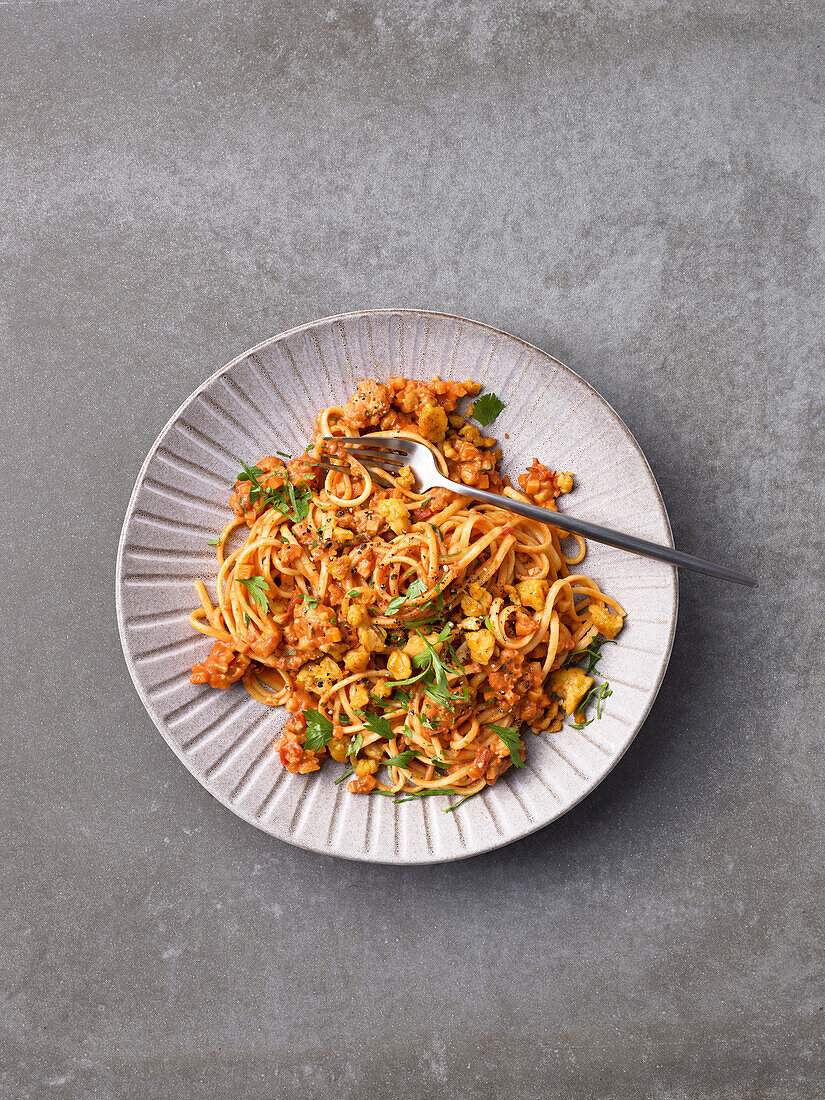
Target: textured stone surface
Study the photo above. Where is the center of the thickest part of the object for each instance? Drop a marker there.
(637, 190)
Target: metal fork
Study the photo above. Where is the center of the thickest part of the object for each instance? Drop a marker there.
(387, 454)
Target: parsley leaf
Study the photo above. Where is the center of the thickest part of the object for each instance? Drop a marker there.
(353, 592)
(257, 587)
(486, 408)
(416, 588)
(401, 761)
(593, 652)
(455, 805)
(287, 500)
(213, 542)
(416, 794)
(430, 661)
(437, 531)
(598, 692)
(310, 601)
(376, 724)
(356, 744)
(346, 774)
(251, 473)
(509, 735)
(319, 731)
(399, 699)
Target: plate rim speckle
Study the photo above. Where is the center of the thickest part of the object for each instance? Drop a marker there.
(520, 830)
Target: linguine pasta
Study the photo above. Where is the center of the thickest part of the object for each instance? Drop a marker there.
(411, 635)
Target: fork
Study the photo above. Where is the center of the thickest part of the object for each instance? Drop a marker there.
(383, 455)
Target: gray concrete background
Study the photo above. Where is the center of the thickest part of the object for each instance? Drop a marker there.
(635, 187)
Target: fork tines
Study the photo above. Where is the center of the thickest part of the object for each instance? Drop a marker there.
(375, 453)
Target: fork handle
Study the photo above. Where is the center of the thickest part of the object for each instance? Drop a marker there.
(604, 534)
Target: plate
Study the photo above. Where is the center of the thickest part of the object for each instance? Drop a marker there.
(266, 399)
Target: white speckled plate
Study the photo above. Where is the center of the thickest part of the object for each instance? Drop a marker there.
(266, 399)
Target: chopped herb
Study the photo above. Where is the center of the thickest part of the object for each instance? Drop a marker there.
(353, 592)
(282, 454)
(257, 587)
(319, 731)
(431, 662)
(455, 805)
(376, 724)
(509, 735)
(347, 773)
(402, 700)
(598, 692)
(246, 619)
(486, 408)
(401, 761)
(356, 744)
(440, 765)
(415, 589)
(310, 601)
(251, 474)
(437, 531)
(295, 505)
(593, 652)
(425, 794)
(488, 624)
(213, 542)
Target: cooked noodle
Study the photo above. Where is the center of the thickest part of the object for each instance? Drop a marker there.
(395, 625)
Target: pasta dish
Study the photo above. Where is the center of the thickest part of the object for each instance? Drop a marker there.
(411, 636)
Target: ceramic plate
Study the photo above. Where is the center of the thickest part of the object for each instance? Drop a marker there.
(266, 400)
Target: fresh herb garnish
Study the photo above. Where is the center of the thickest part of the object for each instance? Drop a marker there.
(353, 592)
(401, 699)
(417, 794)
(319, 731)
(356, 744)
(347, 773)
(593, 652)
(251, 474)
(455, 805)
(257, 587)
(416, 588)
(437, 531)
(431, 662)
(310, 601)
(376, 723)
(509, 735)
(401, 761)
(599, 692)
(213, 542)
(286, 499)
(486, 408)
(282, 454)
